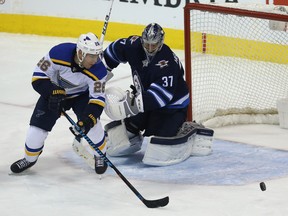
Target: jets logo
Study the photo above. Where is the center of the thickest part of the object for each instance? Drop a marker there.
(133, 39)
(162, 63)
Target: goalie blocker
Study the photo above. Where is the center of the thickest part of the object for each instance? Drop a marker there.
(192, 140)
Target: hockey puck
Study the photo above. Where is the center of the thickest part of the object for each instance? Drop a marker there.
(262, 186)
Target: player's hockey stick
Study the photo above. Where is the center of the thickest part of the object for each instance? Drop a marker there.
(107, 17)
(149, 203)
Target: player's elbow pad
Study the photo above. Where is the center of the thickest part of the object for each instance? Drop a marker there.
(43, 87)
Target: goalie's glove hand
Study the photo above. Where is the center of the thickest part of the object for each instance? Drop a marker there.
(56, 99)
(84, 125)
(132, 95)
(122, 104)
(134, 103)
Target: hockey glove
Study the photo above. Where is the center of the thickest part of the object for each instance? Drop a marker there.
(133, 94)
(134, 103)
(84, 125)
(56, 99)
(121, 104)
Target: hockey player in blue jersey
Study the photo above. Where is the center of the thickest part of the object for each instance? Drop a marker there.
(70, 76)
(165, 92)
(157, 105)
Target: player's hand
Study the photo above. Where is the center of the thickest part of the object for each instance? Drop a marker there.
(84, 125)
(56, 99)
(133, 103)
(121, 104)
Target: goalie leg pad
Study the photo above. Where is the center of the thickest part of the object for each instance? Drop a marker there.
(120, 141)
(174, 151)
(201, 143)
(192, 140)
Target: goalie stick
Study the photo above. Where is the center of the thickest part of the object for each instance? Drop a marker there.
(149, 203)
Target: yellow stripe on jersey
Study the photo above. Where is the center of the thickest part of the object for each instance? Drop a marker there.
(56, 61)
(40, 78)
(91, 75)
(97, 102)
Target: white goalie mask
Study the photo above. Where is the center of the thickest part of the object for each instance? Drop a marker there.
(88, 44)
(152, 39)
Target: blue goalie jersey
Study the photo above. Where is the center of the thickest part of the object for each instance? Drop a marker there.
(162, 77)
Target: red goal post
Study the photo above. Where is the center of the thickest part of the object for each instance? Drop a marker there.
(236, 62)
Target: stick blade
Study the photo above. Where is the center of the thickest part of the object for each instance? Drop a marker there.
(156, 203)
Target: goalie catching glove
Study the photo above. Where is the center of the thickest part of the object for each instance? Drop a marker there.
(121, 105)
(84, 125)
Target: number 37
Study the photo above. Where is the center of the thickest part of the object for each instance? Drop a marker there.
(167, 81)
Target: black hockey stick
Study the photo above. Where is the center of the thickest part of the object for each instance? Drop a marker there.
(149, 203)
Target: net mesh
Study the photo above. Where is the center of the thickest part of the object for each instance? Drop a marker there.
(239, 65)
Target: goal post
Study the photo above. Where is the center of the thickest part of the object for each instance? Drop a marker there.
(236, 62)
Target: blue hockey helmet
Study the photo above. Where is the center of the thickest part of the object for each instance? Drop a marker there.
(152, 39)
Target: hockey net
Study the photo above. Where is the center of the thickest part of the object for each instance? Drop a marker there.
(236, 62)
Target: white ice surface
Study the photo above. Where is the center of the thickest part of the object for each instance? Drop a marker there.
(62, 184)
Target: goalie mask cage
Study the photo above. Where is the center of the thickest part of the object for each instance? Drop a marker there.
(235, 63)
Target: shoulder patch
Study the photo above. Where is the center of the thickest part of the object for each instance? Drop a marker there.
(133, 39)
(162, 63)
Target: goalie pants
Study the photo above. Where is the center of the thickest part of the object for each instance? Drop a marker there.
(161, 122)
(45, 119)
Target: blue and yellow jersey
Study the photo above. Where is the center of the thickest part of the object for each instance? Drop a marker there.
(59, 67)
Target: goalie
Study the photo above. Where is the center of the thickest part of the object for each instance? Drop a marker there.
(157, 105)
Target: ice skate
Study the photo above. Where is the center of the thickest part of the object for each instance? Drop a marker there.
(100, 165)
(21, 165)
